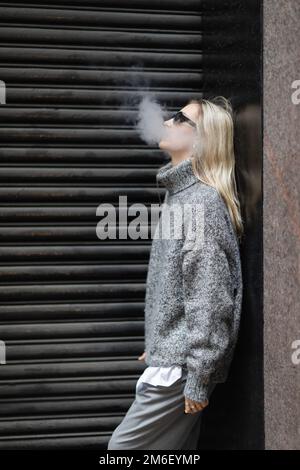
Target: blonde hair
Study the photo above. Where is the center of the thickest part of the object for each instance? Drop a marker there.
(214, 158)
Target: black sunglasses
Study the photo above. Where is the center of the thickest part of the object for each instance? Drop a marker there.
(179, 117)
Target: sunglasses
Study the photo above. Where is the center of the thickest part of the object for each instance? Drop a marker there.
(179, 118)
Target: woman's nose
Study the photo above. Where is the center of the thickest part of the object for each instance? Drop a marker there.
(168, 123)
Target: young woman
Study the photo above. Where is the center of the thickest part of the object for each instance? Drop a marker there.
(194, 282)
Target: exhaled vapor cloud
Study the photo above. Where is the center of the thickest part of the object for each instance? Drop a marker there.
(150, 121)
(151, 115)
(150, 125)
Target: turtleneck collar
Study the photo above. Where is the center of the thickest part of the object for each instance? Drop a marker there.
(177, 177)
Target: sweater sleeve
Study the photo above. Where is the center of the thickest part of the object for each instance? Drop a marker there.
(208, 290)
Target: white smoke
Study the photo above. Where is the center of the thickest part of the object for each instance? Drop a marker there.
(150, 125)
(151, 116)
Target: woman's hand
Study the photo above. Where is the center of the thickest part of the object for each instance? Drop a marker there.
(192, 406)
(142, 357)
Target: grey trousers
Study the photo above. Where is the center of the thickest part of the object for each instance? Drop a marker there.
(156, 420)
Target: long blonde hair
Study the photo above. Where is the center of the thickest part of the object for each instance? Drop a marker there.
(214, 158)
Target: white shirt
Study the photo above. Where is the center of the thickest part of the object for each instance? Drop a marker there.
(159, 376)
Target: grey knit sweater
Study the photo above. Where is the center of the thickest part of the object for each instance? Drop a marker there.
(194, 283)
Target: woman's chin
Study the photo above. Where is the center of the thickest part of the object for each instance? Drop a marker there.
(164, 145)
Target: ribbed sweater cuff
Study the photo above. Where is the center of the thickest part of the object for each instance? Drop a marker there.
(196, 388)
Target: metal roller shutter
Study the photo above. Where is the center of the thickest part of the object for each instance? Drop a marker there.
(72, 306)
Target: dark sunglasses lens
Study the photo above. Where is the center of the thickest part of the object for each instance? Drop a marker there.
(179, 117)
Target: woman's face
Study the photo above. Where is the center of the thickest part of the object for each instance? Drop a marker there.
(179, 136)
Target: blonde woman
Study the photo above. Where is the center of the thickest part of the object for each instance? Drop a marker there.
(194, 282)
